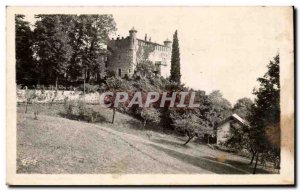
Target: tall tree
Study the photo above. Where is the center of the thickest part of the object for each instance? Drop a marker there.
(219, 108)
(52, 48)
(175, 60)
(90, 34)
(265, 118)
(243, 107)
(25, 66)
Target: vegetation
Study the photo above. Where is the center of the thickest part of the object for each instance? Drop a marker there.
(265, 115)
(175, 60)
(189, 124)
(64, 48)
(262, 137)
(25, 67)
(243, 107)
(61, 48)
(150, 115)
(78, 110)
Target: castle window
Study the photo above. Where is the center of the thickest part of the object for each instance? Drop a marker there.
(129, 71)
(120, 72)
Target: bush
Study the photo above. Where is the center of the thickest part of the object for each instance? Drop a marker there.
(69, 108)
(115, 83)
(150, 115)
(79, 110)
(109, 74)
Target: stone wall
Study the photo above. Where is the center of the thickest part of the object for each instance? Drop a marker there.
(121, 59)
(162, 55)
(48, 95)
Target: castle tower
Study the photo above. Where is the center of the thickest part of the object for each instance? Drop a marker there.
(132, 35)
(168, 43)
(132, 50)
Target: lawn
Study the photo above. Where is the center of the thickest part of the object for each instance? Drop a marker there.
(53, 144)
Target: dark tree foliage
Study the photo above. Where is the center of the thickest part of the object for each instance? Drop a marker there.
(52, 46)
(89, 35)
(265, 118)
(175, 60)
(219, 108)
(62, 48)
(243, 107)
(25, 67)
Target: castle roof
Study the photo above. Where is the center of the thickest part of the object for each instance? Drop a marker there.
(133, 30)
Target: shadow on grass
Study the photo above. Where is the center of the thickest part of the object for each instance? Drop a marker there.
(98, 119)
(242, 165)
(171, 143)
(201, 162)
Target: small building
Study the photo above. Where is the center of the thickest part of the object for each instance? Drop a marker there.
(224, 128)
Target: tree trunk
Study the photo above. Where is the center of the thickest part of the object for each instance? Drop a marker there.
(113, 118)
(26, 106)
(84, 89)
(145, 121)
(88, 76)
(190, 138)
(56, 81)
(254, 169)
(252, 158)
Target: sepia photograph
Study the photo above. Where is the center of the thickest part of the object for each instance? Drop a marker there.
(150, 95)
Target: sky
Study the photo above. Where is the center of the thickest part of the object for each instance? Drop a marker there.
(221, 48)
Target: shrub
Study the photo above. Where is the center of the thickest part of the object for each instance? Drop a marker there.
(150, 115)
(115, 83)
(69, 108)
(79, 110)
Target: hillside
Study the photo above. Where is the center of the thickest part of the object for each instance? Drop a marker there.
(53, 144)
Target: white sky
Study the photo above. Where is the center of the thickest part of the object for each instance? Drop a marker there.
(221, 48)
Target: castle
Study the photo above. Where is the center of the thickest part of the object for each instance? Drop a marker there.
(126, 53)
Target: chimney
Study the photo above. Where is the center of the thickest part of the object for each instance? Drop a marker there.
(149, 39)
(145, 37)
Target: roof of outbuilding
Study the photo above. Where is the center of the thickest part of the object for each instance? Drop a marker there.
(237, 118)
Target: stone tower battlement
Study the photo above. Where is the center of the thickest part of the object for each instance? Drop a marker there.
(127, 53)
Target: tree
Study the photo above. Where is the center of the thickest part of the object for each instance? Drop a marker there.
(189, 124)
(219, 108)
(25, 65)
(145, 69)
(175, 60)
(150, 115)
(243, 107)
(114, 84)
(52, 46)
(265, 114)
(68, 46)
(90, 34)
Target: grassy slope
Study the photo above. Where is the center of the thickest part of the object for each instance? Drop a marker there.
(53, 144)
